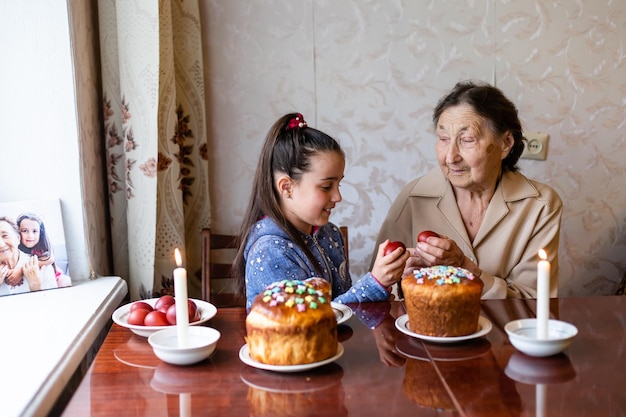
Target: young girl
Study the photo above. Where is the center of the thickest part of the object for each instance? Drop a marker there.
(286, 232)
(34, 241)
(19, 272)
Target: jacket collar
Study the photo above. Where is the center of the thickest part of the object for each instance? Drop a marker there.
(513, 186)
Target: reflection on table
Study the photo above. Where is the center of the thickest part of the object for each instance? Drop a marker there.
(382, 371)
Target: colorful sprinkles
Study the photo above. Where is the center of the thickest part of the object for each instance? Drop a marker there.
(294, 293)
(443, 275)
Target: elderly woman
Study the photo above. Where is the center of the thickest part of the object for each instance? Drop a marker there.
(19, 272)
(491, 219)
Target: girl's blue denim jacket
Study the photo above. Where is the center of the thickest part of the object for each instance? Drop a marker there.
(272, 256)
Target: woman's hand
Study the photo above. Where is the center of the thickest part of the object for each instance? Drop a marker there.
(388, 269)
(32, 273)
(444, 251)
(414, 262)
(440, 251)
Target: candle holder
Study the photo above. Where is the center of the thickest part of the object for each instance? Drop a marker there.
(201, 343)
(554, 369)
(173, 380)
(121, 315)
(182, 382)
(540, 372)
(524, 337)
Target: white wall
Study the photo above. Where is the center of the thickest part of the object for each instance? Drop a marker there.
(39, 139)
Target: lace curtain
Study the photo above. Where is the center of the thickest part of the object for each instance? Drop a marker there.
(154, 121)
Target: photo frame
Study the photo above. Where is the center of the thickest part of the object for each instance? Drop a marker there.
(33, 254)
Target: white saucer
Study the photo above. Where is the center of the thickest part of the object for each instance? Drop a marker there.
(120, 316)
(446, 352)
(244, 355)
(342, 312)
(290, 383)
(483, 323)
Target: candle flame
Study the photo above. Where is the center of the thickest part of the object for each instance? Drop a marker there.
(542, 254)
(177, 256)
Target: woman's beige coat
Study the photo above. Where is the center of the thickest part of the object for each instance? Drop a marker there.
(523, 217)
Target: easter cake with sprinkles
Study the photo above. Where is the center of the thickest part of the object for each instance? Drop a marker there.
(442, 301)
(292, 323)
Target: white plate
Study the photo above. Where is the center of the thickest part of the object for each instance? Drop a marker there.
(483, 323)
(413, 348)
(244, 355)
(120, 316)
(289, 383)
(342, 312)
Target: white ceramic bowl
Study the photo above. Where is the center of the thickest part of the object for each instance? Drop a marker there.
(523, 335)
(170, 379)
(202, 342)
(120, 316)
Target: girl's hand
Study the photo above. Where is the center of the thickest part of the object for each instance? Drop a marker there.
(385, 336)
(388, 269)
(13, 277)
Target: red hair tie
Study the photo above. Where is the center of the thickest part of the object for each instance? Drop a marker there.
(296, 122)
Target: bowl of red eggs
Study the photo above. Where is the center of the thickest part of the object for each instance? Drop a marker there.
(145, 317)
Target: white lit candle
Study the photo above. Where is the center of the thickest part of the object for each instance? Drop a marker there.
(180, 293)
(543, 295)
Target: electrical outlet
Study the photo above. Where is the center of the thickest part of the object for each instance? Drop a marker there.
(536, 146)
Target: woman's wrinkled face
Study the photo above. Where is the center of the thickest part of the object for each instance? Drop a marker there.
(9, 241)
(469, 152)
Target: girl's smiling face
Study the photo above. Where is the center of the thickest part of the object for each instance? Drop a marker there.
(309, 201)
(29, 232)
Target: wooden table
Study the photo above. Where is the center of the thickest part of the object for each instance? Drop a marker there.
(382, 372)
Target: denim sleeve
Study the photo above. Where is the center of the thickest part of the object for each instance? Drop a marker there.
(367, 289)
(272, 259)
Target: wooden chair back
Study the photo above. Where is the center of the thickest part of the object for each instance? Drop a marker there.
(218, 253)
(344, 232)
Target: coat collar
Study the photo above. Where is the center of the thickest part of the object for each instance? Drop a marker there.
(513, 187)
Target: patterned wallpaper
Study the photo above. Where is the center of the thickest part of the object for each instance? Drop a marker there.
(370, 71)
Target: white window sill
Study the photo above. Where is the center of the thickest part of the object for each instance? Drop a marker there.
(44, 337)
